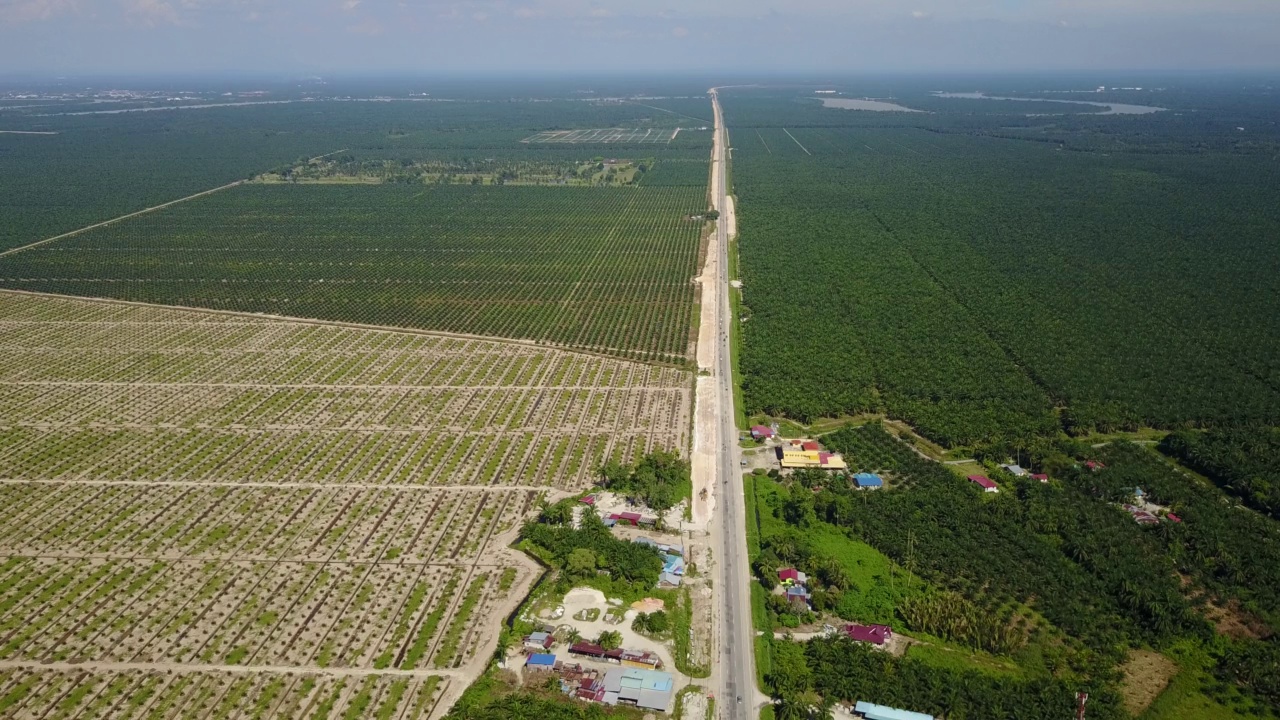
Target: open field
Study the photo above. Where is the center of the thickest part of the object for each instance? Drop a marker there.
(605, 136)
(257, 517)
(607, 269)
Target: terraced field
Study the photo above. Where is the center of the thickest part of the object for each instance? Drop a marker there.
(219, 515)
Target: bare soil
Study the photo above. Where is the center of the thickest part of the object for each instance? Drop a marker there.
(1146, 674)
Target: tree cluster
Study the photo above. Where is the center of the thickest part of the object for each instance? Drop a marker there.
(657, 480)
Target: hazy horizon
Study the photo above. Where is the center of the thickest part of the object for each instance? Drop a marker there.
(593, 37)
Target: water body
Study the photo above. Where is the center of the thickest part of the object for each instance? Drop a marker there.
(1111, 108)
(875, 105)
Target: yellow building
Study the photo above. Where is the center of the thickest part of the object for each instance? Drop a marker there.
(800, 458)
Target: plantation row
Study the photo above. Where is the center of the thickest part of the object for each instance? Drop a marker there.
(224, 456)
(33, 692)
(604, 268)
(266, 401)
(103, 166)
(923, 274)
(242, 613)
(400, 525)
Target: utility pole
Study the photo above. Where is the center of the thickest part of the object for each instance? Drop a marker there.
(1081, 698)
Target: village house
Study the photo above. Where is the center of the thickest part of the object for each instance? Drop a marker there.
(876, 635)
(985, 483)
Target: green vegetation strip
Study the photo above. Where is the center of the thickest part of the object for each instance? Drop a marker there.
(461, 620)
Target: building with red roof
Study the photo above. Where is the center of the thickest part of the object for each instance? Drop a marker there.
(985, 483)
(810, 445)
(874, 634)
(761, 432)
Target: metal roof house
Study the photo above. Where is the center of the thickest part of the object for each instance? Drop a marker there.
(1015, 470)
(760, 432)
(539, 641)
(648, 689)
(789, 576)
(540, 661)
(984, 482)
(669, 580)
(673, 564)
(874, 634)
(791, 458)
(868, 481)
(871, 711)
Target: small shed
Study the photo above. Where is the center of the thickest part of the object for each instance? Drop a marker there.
(1041, 477)
(984, 482)
(588, 500)
(669, 580)
(540, 661)
(1015, 470)
(868, 481)
(761, 432)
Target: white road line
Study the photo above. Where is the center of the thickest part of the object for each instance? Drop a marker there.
(793, 137)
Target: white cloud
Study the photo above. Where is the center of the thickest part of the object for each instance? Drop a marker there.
(23, 11)
(151, 12)
(350, 5)
(921, 14)
(367, 26)
(680, 31)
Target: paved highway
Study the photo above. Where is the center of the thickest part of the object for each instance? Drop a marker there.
(738, 697)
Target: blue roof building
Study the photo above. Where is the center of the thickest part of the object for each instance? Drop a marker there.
(673, 564)
(540, 661)
(868, 480)
(871, 711)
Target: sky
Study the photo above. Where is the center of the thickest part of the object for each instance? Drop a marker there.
(454, 37)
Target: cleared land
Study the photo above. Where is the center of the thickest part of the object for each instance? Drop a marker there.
(607, 269)
(606, 135)
(216, 515)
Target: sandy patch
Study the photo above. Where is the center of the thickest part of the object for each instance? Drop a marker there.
(730, 217)
(608, 502)
(703, 458)
(581, 599)
(864, 104)
(1146, 674)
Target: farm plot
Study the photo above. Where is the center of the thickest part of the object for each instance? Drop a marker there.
(641, 136)
(132, 394)
(605, 269)
(216, 515)
(75, 692)
(242, 613)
